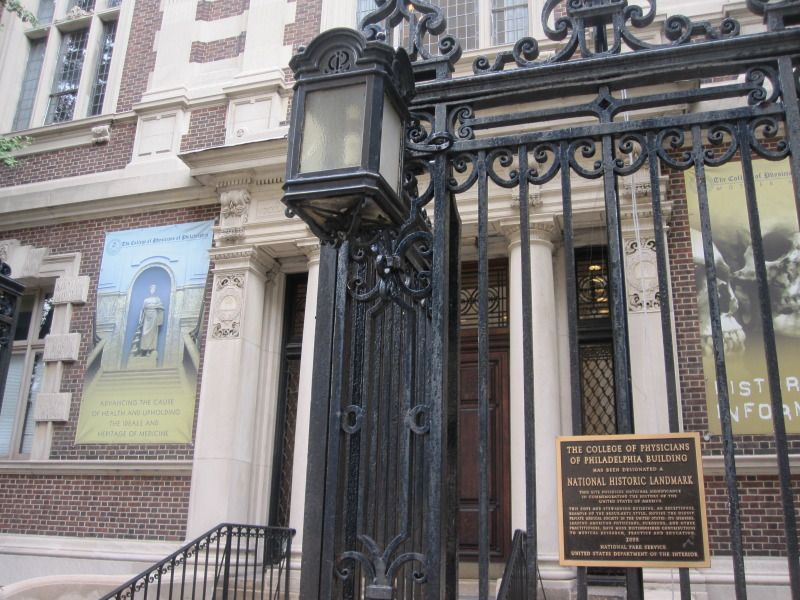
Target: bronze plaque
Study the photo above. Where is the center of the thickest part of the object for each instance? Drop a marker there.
(632, 501)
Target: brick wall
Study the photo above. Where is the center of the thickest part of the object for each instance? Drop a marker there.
(105, 506)
(140, 58)
(762, 520)
(70, 162)
(205, 52)
(87, 237)
(206, 129)
(306, 26)
(307, 18)
(221, 9)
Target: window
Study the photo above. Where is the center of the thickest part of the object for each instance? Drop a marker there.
(475, 23)
(76, 75)
(25, 375)
(509, 21)
(68, 76)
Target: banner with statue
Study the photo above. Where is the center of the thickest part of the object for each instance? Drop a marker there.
(141, 374)
(748, 388)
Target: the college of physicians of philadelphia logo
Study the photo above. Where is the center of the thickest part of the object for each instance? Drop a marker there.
(114, 246)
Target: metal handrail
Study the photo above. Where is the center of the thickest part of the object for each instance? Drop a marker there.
(230, 561)
(514, 584)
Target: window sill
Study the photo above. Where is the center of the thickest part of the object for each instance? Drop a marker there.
(71, 134)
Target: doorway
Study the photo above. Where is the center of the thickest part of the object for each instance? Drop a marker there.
(468, 433)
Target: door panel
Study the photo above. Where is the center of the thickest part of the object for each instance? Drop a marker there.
(469, 477)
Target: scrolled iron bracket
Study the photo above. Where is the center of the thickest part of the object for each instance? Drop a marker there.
(378, 570)
(423, 19)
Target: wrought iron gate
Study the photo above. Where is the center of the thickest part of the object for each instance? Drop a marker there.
(380, 517)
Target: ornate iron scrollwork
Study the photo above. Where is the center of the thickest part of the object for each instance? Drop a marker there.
(379, 568)
(423, 19)
(585, 25)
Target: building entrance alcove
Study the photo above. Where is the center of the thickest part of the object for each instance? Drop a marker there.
(499, 436)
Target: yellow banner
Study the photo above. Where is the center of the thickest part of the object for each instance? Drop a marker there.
(748, 389)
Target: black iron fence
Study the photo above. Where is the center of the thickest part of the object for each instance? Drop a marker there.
(229, 562)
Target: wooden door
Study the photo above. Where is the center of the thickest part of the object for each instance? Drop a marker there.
(469, 477)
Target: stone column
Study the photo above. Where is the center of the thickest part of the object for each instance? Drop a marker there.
(227, 423)
(297, 508)
(545, 382)
(648, 375)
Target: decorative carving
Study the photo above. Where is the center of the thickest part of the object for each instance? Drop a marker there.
(101, 134)
(641, 270)
(76, 12)
(230, 234)
(226, 312)
(234, 206)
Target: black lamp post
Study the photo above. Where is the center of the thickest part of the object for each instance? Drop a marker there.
(344, 168)
(10, 291)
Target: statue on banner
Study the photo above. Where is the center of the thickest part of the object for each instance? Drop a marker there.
(151, 318)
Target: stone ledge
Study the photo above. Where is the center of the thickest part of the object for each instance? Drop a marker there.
(96, 467)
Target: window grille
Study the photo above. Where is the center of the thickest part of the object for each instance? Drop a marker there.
(293, 338)
(597, 381)
(592, 282)
(497, 292)
(68, 77)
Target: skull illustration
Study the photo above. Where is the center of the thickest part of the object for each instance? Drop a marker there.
(782, 259)
(733, 334)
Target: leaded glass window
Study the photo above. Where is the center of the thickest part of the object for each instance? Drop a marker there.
(68, 76)
(85, 5)
(27, 95)
(509, 21)
(103, 66)
(44, 14)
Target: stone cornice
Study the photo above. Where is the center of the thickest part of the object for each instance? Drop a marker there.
(261, 162)
(158, 185)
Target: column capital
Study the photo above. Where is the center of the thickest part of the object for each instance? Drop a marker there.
(542, 231)
(243, 257)
(310, 248)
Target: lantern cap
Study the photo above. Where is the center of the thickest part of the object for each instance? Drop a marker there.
(342, 51)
